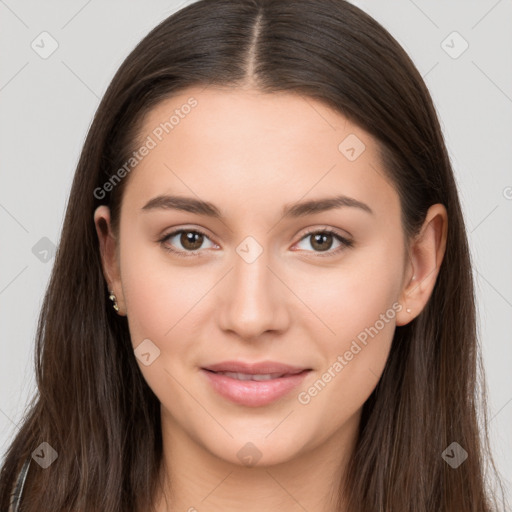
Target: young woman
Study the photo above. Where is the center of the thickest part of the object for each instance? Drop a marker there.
(262, 298)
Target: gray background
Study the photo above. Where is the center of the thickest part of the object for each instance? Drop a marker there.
(47, 105)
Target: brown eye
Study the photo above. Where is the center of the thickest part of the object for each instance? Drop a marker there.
(322, 241)
(191, 240)
(188, 242)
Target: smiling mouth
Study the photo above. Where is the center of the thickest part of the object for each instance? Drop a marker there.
(253, 389)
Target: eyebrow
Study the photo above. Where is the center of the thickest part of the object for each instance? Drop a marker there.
(193, 205)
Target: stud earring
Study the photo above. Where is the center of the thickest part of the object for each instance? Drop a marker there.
(112, 297)
(408, 310)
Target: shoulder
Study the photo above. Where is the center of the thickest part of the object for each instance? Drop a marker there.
(18, 487)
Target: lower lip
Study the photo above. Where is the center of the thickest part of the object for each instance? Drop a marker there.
(252, 393)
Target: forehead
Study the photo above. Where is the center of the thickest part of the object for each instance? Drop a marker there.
(243, 149)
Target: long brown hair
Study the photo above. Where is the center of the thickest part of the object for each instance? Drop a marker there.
(92, 404)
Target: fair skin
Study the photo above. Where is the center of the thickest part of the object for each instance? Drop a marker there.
(250, 154)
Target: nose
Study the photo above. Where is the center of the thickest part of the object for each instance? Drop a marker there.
(253, 298)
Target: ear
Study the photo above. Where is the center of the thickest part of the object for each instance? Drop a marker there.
(108, 252)
(426, 254)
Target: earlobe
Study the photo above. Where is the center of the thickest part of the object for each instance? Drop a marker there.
(107, 246)
(408, 311)
(426, 255)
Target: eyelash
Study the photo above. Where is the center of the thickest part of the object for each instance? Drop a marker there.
(345, 242)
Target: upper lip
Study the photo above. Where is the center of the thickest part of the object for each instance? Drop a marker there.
(260, 368)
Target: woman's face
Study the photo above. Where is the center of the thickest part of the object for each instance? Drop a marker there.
(261, 280)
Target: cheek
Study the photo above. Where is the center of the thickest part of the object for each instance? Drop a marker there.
(352, 295)
(158, 298)
(157, 293)
(358, 303)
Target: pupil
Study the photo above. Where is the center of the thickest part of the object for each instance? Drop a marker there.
(194, 239)
(319, 237)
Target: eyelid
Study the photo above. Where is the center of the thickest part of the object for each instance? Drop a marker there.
(177, 231)
(327, 229)
(346, 242)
